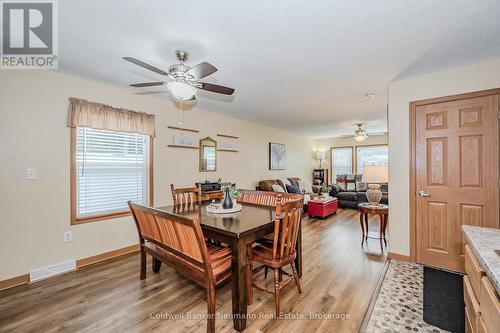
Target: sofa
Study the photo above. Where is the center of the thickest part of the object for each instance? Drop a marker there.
(267, 185)
(351, 199)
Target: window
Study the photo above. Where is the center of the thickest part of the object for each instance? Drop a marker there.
(109, 168)
(341, 161)
(377, 155)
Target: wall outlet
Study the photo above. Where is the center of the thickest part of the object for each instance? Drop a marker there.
(31, 174)
(68, 236)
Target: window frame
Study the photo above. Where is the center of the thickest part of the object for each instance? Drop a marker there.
(364, 146)
(334, 181)
(99, 217)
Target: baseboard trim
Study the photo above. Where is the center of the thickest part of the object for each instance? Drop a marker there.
(15, 281)
(398, 256)
(107, 255)
(25, 278)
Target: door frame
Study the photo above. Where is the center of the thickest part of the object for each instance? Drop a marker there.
(413, 173)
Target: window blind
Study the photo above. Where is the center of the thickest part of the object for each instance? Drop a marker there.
(111, 169)
(341, 161)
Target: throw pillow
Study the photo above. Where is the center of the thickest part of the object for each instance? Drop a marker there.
(278, 188)
(306, 186)
(285, 182)
(334, 189)
(293, 189)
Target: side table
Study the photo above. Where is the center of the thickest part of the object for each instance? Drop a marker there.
(381, 210)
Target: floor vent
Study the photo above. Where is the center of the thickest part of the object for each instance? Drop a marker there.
(45, 272)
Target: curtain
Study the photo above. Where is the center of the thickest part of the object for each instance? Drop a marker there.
(83, 113)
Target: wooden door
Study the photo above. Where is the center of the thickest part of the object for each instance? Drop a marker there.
(457, 176)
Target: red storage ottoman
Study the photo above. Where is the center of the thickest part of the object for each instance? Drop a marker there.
(322, 207)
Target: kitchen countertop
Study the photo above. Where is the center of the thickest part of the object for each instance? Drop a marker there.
(484, 242)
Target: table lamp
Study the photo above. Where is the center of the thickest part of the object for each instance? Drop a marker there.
(374, 175)
(320, 155)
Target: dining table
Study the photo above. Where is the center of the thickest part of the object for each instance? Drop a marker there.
(237, 230)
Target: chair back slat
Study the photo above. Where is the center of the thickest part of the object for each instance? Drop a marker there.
(186, 196)
(265, 198)
(261, 198)
(174, 233)
(286, 227)
(147, 225)
(225, 185)
(185, 239)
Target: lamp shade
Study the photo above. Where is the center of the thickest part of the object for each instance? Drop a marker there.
(320, 155)
(375, 174)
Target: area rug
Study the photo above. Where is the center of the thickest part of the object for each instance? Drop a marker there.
(399, 304)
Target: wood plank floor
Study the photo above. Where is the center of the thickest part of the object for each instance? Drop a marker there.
(339, 279)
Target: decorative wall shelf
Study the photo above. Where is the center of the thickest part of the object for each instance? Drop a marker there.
(180, 146)
(183, 129)
(230, 150)
(228, 136)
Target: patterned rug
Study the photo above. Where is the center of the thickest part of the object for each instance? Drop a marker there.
(399, 304)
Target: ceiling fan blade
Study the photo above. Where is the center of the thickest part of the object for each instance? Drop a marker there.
(147, 84)
(201, 70)
(215, 88)
(144, 65)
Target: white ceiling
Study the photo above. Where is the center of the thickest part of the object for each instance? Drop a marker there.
(298, 65)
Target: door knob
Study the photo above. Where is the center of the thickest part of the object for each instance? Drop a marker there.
(424, 194)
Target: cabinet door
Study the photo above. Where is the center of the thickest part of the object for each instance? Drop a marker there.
(489, 305)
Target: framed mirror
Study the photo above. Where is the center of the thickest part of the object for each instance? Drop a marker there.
(208, 154)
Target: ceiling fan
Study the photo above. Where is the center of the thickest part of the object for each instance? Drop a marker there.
(184, 82)
(360, 134)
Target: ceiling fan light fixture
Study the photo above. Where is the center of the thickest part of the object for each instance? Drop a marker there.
(360, 138)
(360, 134)
(181, 90)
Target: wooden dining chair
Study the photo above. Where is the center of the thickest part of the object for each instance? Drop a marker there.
(280, 253)
(265, 198)
(268, 199)
(260, 198)
(178, 242)
(186, 196)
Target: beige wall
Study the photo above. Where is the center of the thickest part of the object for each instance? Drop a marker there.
(326, 144)
(485, 75)
(33, 132)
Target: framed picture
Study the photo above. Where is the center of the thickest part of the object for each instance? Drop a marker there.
(228, 145)
(277, 155)
(183, 140)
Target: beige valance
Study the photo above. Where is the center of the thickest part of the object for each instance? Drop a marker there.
(83, 113)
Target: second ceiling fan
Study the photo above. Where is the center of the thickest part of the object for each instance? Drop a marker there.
(184, 79)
